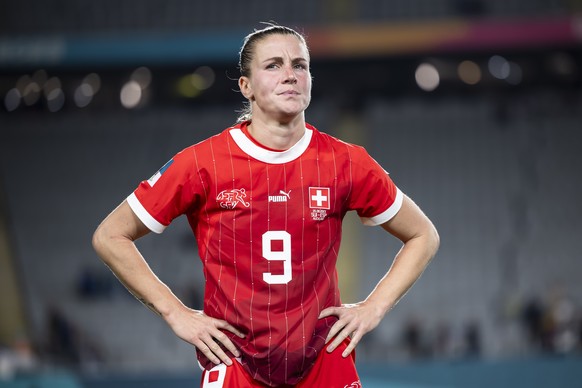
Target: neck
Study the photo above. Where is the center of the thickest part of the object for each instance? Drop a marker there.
(277, 135)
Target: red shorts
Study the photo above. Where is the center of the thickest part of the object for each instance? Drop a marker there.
(330, 370)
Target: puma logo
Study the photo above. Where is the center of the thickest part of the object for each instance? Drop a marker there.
(283, 197)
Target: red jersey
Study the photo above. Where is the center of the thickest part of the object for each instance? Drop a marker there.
(268, 226)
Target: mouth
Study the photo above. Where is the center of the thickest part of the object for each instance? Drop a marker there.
(289, 93)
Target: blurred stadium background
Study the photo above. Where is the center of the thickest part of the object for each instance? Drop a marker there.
(473, 106)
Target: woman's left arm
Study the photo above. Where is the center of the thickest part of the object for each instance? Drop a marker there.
(421, 242)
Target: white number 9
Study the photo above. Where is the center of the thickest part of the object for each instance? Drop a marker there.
(282, 255)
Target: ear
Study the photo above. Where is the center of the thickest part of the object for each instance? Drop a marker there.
(244, 84)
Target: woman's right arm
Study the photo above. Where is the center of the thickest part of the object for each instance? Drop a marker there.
(114, 242)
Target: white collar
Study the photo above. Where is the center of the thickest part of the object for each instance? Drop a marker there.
(273, 157)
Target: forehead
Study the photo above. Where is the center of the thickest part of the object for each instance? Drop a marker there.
(279, 45)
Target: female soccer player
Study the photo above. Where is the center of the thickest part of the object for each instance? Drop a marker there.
(265, 200)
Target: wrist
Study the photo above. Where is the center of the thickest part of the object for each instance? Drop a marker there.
(172, 311)
(378, 306)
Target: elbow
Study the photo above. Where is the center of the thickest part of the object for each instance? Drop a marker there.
(97, 240)
(434, 241)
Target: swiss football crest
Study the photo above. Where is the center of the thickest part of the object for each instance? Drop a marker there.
(319, 197)
(319, 200)
(228, 199)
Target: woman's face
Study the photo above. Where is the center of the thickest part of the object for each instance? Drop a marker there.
(279, 85)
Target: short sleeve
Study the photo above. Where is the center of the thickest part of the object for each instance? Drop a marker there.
(168, 194)
(374, 195)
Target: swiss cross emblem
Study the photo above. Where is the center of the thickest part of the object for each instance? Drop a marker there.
(319, 197)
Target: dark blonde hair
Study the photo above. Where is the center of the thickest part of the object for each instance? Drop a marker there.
(247, 53)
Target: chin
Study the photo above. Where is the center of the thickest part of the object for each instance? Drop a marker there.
(294, 110)
(289, 115)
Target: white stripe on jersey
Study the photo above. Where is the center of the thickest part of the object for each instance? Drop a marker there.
(387, 214)
(143, 214)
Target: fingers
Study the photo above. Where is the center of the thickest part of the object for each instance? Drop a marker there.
(212, 351)
(343, 321)
(227, 326)
(328, 312)
(221, 338)
(347, 325)
(335, 329)
(356, 337)
(210, 346)
(217, 338)
(342, 334)
(206, 334)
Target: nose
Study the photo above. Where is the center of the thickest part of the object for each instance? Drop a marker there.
(290, 76)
